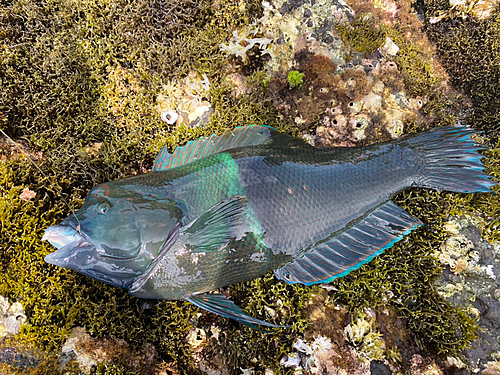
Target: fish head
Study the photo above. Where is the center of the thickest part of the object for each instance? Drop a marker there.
(115, 235)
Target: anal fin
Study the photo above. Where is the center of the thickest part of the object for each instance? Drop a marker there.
(219, 304)
(352, 248)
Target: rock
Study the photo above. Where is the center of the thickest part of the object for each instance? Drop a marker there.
(185, 102)
(91, 351)
(11, 317)
(471, 280)
(379, 368)
(16, 358)
(389, 48)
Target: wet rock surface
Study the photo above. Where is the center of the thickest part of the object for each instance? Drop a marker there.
(17, 359)
(471, 280)
(11, 317)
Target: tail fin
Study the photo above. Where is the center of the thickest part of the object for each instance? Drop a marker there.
(450, 160)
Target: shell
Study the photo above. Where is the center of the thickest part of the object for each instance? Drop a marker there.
(169, 116)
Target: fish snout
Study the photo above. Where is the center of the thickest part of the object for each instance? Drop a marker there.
(75, 255)
(73, 250)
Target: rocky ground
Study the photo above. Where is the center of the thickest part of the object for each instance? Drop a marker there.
(333, 73)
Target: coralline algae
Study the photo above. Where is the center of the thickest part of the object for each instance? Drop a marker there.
(186, 101)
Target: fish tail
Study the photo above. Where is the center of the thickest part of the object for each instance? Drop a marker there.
(449, 159)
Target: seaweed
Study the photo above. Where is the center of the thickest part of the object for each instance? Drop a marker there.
(78, 89)
(295, 79)
(362, 35)
(469, 50)
(404, 277)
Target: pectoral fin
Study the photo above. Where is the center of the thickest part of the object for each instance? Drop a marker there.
(216, 226)
(209, 232)
(219, 304)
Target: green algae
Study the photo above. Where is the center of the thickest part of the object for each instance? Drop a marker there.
(295, 79)
(78, 85)
(276, 302)
(361, 35)
(489, 204)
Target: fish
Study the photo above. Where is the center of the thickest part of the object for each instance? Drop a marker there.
(230, 208)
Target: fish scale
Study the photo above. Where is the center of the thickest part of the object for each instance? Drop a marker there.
(325, 206)
(229, 208)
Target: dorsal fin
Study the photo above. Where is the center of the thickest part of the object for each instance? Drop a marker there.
(351, 249)
(242, 136)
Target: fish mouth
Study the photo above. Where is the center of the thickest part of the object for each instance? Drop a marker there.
(62, 235)
(69, 241)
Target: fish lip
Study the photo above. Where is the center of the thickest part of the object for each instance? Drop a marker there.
(62, 256)
(59, 239)
(66, 238)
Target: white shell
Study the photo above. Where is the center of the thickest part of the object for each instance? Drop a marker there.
(169, 116)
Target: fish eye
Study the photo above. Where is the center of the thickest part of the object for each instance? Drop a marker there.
(102, 208)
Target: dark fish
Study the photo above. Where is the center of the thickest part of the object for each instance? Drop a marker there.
(227, 209)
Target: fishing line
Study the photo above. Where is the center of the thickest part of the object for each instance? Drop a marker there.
(9, 139)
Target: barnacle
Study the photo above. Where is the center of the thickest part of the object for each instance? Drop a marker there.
(169, 116)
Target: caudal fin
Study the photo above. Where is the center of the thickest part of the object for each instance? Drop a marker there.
(450, 160)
